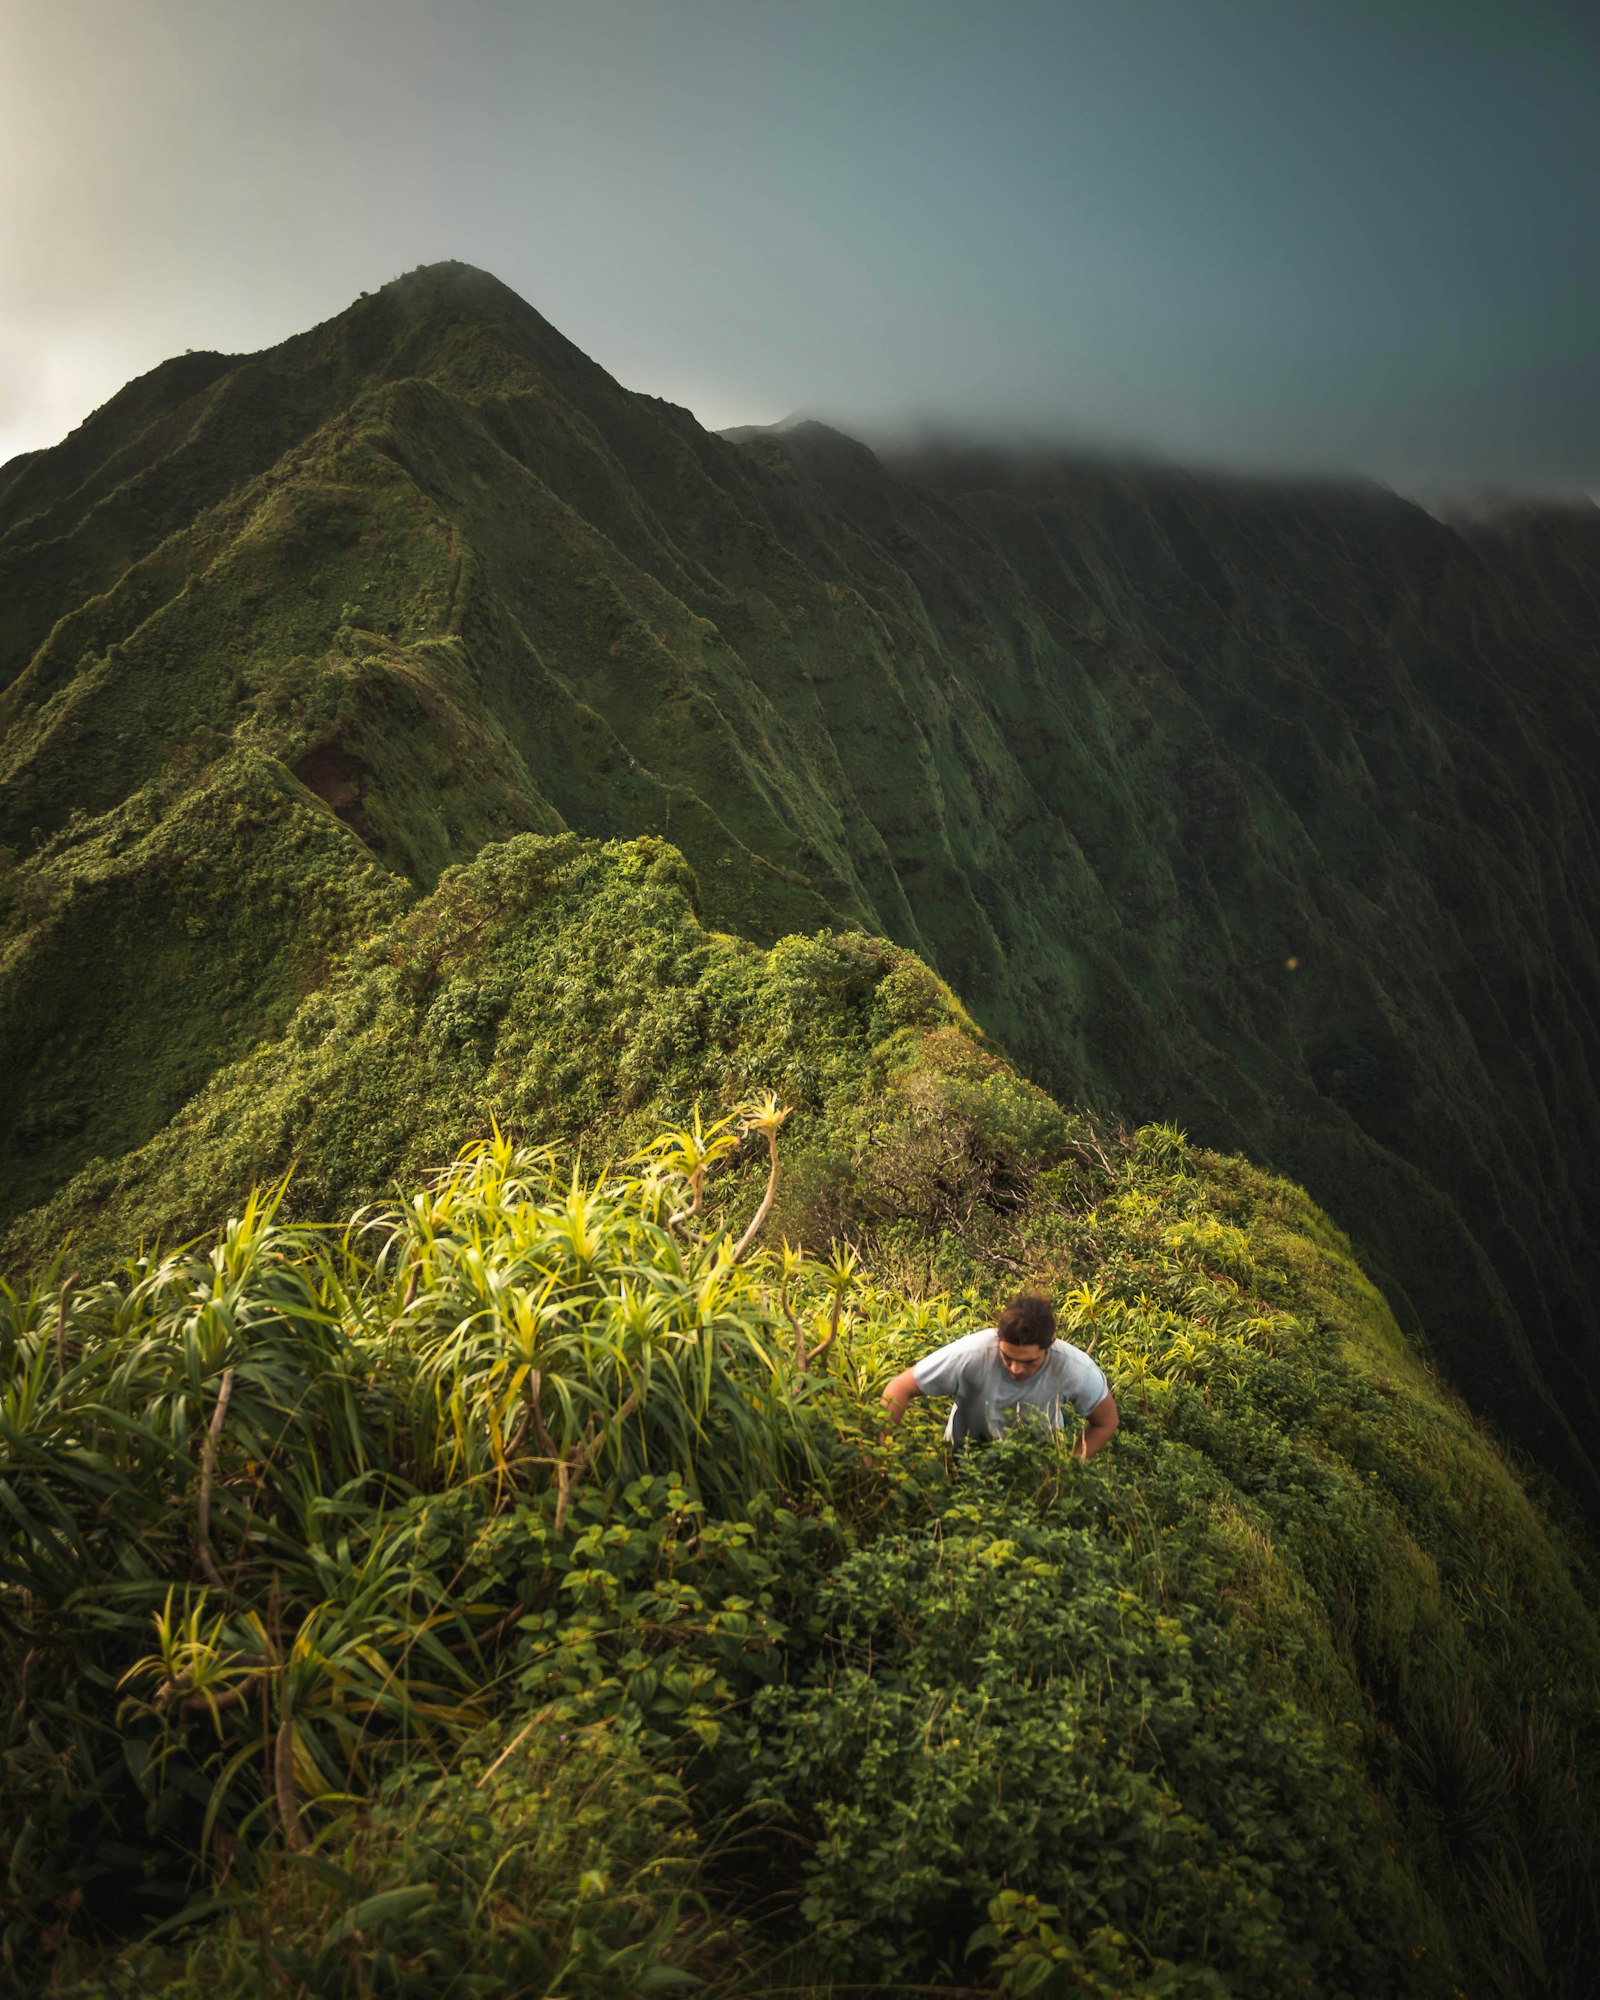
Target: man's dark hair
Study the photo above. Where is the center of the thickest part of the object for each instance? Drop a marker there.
(1029, 1321)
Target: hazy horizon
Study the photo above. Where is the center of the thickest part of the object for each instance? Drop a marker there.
(1327, 240)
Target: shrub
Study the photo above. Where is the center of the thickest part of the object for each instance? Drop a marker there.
(556, 1861)
(999, 1703)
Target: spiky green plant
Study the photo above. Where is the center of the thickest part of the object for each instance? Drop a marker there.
(243, 1447)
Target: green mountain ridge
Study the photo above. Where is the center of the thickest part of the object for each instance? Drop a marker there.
(509, 1588)
(284, 638)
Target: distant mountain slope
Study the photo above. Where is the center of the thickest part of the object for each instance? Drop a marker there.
(282, 637)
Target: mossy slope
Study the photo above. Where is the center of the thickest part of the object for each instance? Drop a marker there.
(1106, 749)
(1291, 1691)
(568, 988)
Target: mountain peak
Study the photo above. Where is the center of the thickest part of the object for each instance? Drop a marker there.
(1109, 750)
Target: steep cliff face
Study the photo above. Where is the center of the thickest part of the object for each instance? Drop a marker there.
(1313, 774)
(1268, 810)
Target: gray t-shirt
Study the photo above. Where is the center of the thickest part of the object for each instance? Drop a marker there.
(987, 1398)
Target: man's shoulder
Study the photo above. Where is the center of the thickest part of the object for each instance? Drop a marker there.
(966, 1345)
(957, 1355)
(1068, 1356)
(1069, 1363)
(1076, 1373)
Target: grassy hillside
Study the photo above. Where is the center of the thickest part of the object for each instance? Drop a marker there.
(511, 1591)
(283, 638)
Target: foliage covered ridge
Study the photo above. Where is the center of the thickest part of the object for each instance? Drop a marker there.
(284, 637)
(510, 1589)
(570, 986)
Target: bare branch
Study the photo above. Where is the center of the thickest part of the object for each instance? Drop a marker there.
(61, 1323)
(532, 1722)
(799, 1330)
(205, 1703)
(208, 1464)
(766, 1200)
(283, 1784)
(833, 1329)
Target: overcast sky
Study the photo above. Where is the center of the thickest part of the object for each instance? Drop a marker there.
(1257, 232)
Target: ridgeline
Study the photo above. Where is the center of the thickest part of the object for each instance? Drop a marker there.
(1269, 810)
(490, 1576)
(509, 1590)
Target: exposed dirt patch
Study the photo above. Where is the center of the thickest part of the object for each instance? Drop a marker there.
(337, 778)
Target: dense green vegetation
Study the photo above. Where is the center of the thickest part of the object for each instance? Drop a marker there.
(568, 987)
(510, 1591)
(284, 637)
(472, 851)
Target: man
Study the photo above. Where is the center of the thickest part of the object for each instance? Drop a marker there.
(1015, 1366)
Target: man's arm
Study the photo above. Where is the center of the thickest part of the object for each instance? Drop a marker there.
(897, 1397)
(1099, 1427)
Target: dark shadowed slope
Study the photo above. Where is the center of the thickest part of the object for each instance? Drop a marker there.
(282, 637)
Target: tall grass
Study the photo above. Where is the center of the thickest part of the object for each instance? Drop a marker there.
(240, 1483)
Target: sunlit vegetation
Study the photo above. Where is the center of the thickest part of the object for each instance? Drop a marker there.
(479, 1136)
(509, 1590)
(1267, 809)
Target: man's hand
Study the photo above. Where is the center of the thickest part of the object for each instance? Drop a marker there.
(1099, 1427)
(897, 1397)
